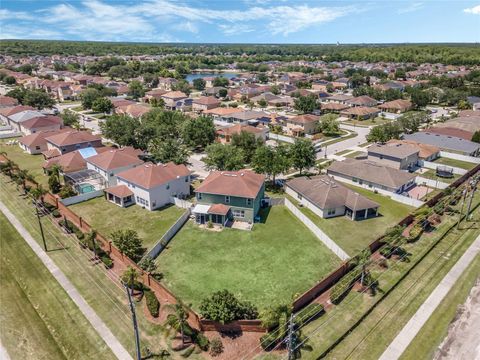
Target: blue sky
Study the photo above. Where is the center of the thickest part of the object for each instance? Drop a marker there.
(242, 21)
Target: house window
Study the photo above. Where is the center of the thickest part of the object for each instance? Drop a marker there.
(186, 179)
(168, 186)
(199, 196)
(239, 213)
(249, 202)
(227, 199)
(37, 147)
(299, 197)
(331, 212)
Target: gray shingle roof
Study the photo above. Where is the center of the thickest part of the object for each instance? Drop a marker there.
(444, 141)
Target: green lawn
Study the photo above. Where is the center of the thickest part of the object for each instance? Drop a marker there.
(369, 122)
(353, 236)
(106, 217)
(32, 163)
(434, 331)
(38, 319)
(268, 265)
(456, 163)
(356, 153)
(105, 295)
(431, 174)
(376, 331)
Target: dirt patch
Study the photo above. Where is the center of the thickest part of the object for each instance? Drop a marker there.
(461, 341)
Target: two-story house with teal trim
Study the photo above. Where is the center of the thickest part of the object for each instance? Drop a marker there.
(229, 195)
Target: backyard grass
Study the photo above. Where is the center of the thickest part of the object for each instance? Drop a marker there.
(269, 265)
(434, 331)
(106, 217)
(353, 236)
(431, 174)
(32, 163)
(338, 139)
(104, 294)
(456, 163)
(375, 332)
(38, 319)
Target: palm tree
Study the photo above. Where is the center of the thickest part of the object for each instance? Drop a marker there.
(178, 320)
(38, 193)
(23, 177)
(9, 167)
(129, 277)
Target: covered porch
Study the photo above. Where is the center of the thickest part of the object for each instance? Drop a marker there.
(120, 195)
(218, 214)
(362, 214)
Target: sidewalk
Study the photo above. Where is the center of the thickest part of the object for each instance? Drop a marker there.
(118, 350)
(411, 329)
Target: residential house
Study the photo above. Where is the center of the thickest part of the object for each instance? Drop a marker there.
(333, 107)
(7, 101)
(338, 98)
(360, 112)
(133, 110)
(328, 198)
(364, 101)
(73, 140)
(446, 142)
(174, 99)
(41, 123)
(73, 161)
(109, 163)
(222, 114)
(425, 152)
(246, 116)
(400, 156)
(204, 103)
(153, 94)
(301, 124)
(371, 175)
(226, 195)
(166, 83)
(16, 119)
(150, 186)
(225, 133)
(36, 143)
(6, 112)
(396, 106)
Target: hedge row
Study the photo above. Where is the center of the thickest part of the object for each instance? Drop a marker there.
(153, 304)
(341, 288)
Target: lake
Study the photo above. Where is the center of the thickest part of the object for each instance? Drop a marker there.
(191, 77)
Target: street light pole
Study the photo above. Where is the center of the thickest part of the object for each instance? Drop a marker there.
(41, 227)
(135, 325)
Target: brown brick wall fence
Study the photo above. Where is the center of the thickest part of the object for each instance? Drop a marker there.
(234, 326)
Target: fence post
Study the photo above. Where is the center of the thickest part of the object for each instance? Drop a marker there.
(81, 222)
(109, 247)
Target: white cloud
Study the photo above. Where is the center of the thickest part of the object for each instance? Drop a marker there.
(473, 10)
(410, 8)
(14, 15)
(235, 29)
(187, 26)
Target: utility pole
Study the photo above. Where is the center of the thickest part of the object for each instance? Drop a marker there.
(291, 338)
(135, 325)
(41, 227)
(464, 194)
(474, 187)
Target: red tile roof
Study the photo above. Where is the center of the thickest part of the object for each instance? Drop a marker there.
(73, 137)
(120, 190)
(150, 175)
(9, 111)
(116, 158)
(219, 209)
(42, 121)
(8, 101)
(242, 183)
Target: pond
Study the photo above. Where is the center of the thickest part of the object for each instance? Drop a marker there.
(191, 77)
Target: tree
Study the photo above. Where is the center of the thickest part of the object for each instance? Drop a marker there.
(385, 132)
(410, 122)
(157, 103)
(135, 89)
(247, 142)
(420, 98)
(199, 132)
(199, 84)
(224, 157)
(129, 278)
(148, 264)
(302, 154)
(271, 161)
(275, 89)
(38, 193)
(464, 105)
(67, 191)
(123, 72)
(102, 104)
(224, 307)
(183, 86)
(70, 118)
(122, 130)
(9, 80)
(476, 136)
(169, 150)
(24, 176)
(39, 99)
(88, 96)
(262, 103)
(222, 93)
(178, 320)
(129, 243)
(305, 104)
(54, 178)
(328, 125)
(221, 81)
(263, 78)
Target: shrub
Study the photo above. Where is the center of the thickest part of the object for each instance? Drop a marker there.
(188, 351)
(201, 340)
(341, 288)
(268, 341)
(309, 313)
(153, 304)
(216, 347)
(69, 225)
(56, 214)
(80, 235)
(224, 307)
(107, 261)
(415, 232)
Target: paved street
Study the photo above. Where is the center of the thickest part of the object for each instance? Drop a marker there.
(348, 143)
(411, 329)
(112, 342)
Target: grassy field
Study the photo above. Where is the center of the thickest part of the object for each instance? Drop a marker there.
(356, 153)
(38, 319)
(353, 236)
(102, 292)
(268, 265)
(431, 174)
(106, 217)
(456, 163)
(32, 163)
(436, 328)
(373, 334)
